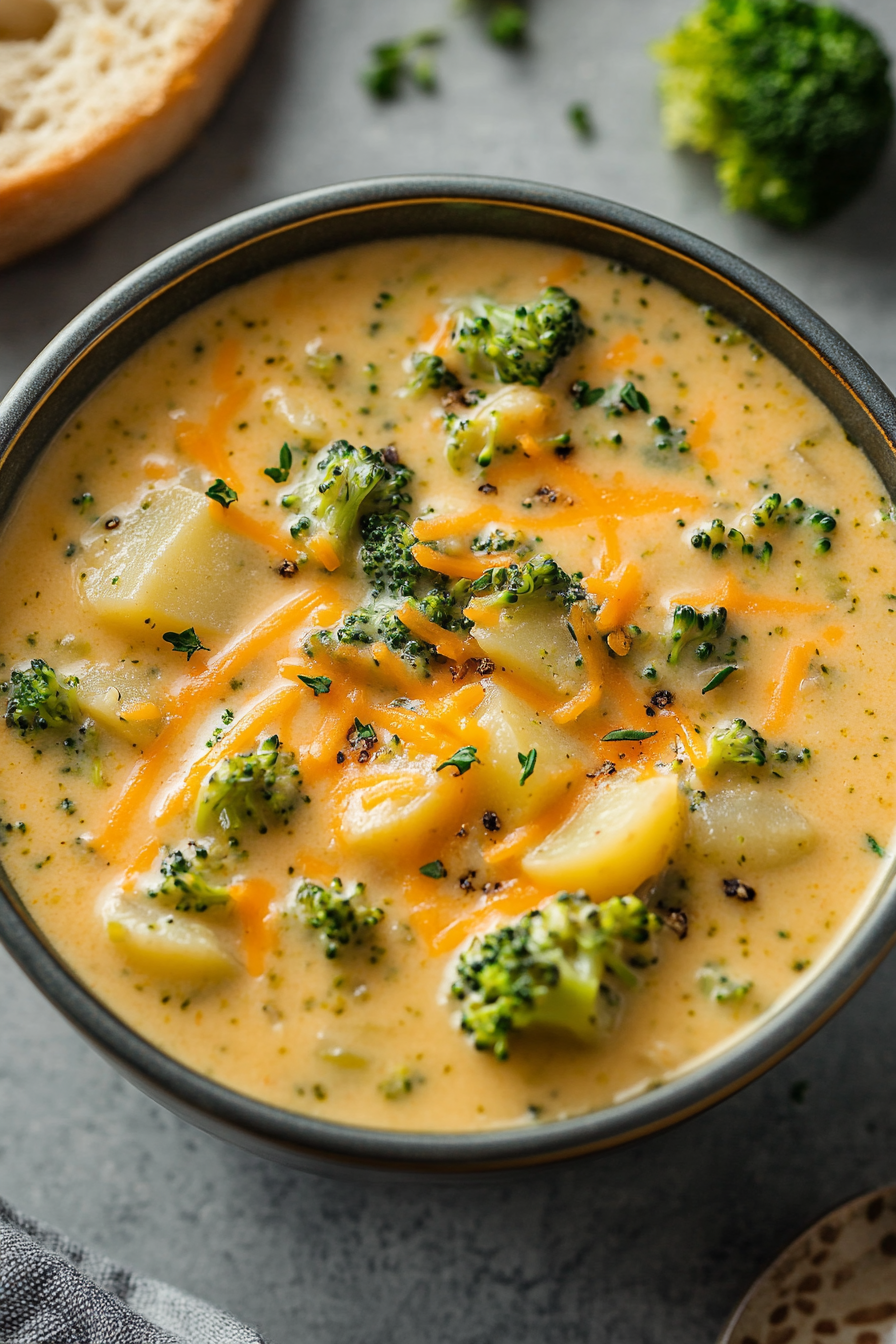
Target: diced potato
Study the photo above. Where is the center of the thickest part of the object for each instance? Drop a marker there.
(167, 945)
(533, 640)
(750, 828)
(520, 410)
(170, 563)
(623, 835)
(122, 698)
(400, 814)
(514, 729)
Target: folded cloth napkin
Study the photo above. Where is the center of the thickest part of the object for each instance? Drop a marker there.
(53, 1291)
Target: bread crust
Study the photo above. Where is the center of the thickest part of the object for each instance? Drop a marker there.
(41, 206)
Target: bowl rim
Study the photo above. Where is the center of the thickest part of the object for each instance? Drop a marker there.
(290, 1135)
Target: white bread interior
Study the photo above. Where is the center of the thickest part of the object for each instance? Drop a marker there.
(96, 95)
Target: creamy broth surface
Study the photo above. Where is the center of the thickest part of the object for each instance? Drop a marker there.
(696, 424)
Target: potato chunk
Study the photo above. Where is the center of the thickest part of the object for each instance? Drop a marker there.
(122, 698)
(399, 813)
(533, 640)
(748, 827)
(622, 835)
(170, 563)
(514, 729)
(167, 945)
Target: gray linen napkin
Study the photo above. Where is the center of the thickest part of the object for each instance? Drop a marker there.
(53, 1291)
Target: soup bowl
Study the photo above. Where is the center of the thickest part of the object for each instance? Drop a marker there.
(97, 342)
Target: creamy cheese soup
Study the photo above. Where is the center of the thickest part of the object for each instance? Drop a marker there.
(449, 685)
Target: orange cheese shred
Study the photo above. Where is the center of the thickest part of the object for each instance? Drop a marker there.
(253, 899)
(206, 443)
(453, 566)
(446, 642)
(434, 918)
(783, 692)
(254, 529)
(735, 597)
(323, 551)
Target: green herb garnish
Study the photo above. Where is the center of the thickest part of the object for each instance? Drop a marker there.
(462, 759)
(628, 735)
(222, 494)
(187, 642)
(434, 869)
(281, 473)
(722, 675)
(319, 685)
(527, 761)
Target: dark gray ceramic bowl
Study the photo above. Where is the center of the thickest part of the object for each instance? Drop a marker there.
(106, 333)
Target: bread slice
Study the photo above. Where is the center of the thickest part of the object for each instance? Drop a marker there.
(96, 95)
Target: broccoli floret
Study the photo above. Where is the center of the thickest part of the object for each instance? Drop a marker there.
(340, 916)
(547, 968)
(518, 345)
(260, 787)
(386, 558)
(689, 624)
(343, 485)
(429, 373)
(721, 987)
(792, 98)
(736, 744)
(184, 886)
(367, 625)
(39, 699)
(540, 578)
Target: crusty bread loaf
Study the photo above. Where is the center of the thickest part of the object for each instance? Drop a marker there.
(96, 95)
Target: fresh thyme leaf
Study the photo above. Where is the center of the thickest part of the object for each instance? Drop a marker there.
(634, 399)
(392, 62)
(434, 869)
(187, 642)
(221, 493)
(628, 735)
(281, 473)
(876, 848)
(722, 675)
(319, 685)
(365, 730)
(528, 763)
(583, 394)
(462, 759)
(579, 117)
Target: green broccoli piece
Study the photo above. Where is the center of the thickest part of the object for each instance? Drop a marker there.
(721, 987)
(39, 699)
(792, 98)
(344, 485)
(540, 578)
(184, 886)
(259, 786)
(386, 558)
(429, 373)
(340, 916)
(736, 743)
(496, 541)
(546, 970)
(518, 345)
(689, 624)
(367, 625)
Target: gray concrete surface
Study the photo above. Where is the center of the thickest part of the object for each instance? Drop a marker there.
(652, 1245)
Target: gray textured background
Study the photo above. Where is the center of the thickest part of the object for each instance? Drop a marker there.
(648, 1246)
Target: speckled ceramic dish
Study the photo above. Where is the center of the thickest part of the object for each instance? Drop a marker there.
(837, 1282)
(119, 322)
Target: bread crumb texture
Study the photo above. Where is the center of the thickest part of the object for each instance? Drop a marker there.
(95, 95)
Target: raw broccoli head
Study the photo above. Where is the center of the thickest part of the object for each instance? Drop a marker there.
(429, 373)
(546, 969)
(538, 579)
(185, 886)
(344, 485)
(518, 345)
(340, 916)
(258, 787)
(386, 558)
(39, 699)
(689, 624)
(736, 744)
(792, 98)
